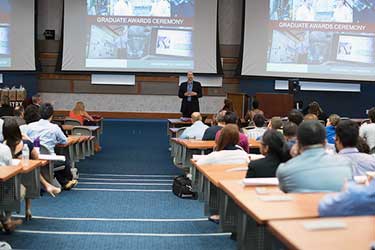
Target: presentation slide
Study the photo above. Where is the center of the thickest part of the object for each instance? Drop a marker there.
(140, 35)
(16, 47)
(324, 39)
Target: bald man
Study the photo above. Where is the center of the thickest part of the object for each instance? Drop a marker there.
(196, 130)
(190, 91)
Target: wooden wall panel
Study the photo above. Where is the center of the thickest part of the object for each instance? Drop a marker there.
(87, 87)
(156, 88)
(53, 86)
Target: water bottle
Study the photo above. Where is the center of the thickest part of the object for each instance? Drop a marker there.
(25, 155)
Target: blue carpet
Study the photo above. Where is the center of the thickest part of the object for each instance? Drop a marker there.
(123, 201)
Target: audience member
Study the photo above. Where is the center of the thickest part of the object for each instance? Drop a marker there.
(8, 224)
(355, 200)
(6, 109)
(210, 133)
(274, 148)
(346, 142)
(228, 105)
(1, 130)
(310, 117)
(79, 113)
(367, 131)
(231, 118)
(257, 132)
(49, 135)
(36, 100)
(196, 130)
(13, 139)
(19, 113)
(227, 151)
(276, 123)
(362, 146)
(332, 122)
(255, 110)
(295, 116)
(315, 109)
(314, 169)
(290, 134)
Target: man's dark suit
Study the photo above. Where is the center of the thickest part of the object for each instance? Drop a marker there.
(187, 108)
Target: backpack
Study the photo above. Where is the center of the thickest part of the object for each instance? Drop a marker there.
(182, 187)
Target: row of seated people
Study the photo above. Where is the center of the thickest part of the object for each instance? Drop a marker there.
(36, 125)
(298, 155)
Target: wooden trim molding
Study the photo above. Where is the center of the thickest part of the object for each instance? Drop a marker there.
(125, 115)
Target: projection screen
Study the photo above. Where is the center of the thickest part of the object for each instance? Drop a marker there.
(140, 35)
(325, 39)
(17, 42)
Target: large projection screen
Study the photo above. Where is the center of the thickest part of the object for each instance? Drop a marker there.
(321, 39)
(17, 41)
(140, 35)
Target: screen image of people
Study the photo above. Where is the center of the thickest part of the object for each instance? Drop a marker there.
(308, 35)
(140, 34)
(5, 50)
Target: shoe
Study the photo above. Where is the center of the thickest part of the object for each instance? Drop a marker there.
(53, 191)
(28, 215)
(11, 225)
(75, 183)
(71, 184)
(214, 219)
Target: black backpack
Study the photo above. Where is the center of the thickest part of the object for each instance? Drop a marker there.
(182, 187)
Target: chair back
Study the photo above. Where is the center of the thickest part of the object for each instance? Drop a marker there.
(180, 131)
(44, 150)
(70, 121)
(80, 130)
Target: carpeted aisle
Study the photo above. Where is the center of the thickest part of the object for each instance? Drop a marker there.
(123, 201)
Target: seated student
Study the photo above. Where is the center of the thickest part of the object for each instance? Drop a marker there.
(257, 132)
(315, 109)
(18, 115)
(13, 139)
(362, 146)
(228, 105)
(196, 130)
(8, 224)
(255, 110)
(295, 116)
(290, 134)
(314, 170)
(32, 114)
(346, 142)
(50, 135)
(231, 118)
(310, 117)
(227, 150)
(79, 113)
(276, 123)
(210, 133)
(273, 147)
(6, 109)
(355, 200)
(367, 131)
(332, 122)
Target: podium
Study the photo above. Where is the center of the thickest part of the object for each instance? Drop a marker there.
(274, 104)
(240, 103)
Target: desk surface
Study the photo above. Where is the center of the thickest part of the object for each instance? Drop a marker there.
(179, 121)
(199, 144)
(358, 234)
(301, 206)
(70, 127)
(218, 172)
(7, 172)
(33, 164)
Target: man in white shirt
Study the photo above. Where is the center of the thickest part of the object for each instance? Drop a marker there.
(122, 8)
(367, 131)
(196, 130)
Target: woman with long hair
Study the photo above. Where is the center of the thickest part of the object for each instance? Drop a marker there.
(79, 113)
(275, 150)
(13, 139)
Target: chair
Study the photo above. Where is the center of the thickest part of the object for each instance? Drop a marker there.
(51, 166)
(73, 122)
(88, 146)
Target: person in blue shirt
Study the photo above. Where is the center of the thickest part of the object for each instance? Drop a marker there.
(332, 122)
(356, 200)
(347, 135)
(314, 170)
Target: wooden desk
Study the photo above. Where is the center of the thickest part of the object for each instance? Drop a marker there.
(253, 213)
(358, 235)
(7, 172)
(33, 164)
(70, 127)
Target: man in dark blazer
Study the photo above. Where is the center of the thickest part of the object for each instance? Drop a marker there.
(190, 91)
